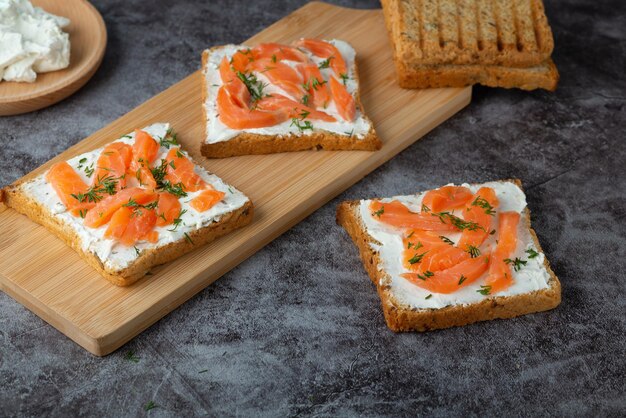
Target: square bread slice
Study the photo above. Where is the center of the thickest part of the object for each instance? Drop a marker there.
(544, 76)
(120, 264)
(301, 131)
(484, 32)
(411, 307)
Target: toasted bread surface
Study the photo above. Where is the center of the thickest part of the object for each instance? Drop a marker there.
(401, 317)
(483, 32)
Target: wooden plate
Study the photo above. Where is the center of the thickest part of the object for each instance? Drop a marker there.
(49, 278)
(88, 39)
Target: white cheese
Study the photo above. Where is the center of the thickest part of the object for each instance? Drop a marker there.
(532, 276)
(31, 41)
(216, 131)
(113, 254)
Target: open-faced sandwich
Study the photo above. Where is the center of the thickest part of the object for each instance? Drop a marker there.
(138, 202)
(452, 256)
(276, 98)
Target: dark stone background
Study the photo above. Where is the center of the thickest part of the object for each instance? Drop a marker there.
(297, 329)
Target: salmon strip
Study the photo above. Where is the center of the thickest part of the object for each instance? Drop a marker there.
(279, 52)
(500, 276)
(317, 86)
(451, 279)
(141, 223)
(481, 210)
(281, 75)
(396, 214)
(292, 108)
(104, 209)
(145, 149)
(206, 200)
(344, 101)
(68, 185)
(446, 198)
(112, 164)
(118, 223)
(167, 209)
(325, 50)
(181, 170)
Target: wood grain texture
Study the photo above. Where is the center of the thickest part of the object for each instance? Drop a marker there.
(52, 281)
(88, 39)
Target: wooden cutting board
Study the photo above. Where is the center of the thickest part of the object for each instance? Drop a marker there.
(47, 277)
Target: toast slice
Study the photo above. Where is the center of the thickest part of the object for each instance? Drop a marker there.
(183, 229)
(461, 32)
(302, 130)
(544, 76)
(409, 307)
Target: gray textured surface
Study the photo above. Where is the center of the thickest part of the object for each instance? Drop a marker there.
(297, 329)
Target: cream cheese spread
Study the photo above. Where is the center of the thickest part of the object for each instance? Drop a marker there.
(31, 41)
(113, 254)
(216, 131)
(532, 276)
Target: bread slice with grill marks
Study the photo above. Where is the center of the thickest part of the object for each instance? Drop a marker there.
(511, 33)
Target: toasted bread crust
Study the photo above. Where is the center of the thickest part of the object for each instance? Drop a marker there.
(400, 317)
(255, 144)
(483, 32)
(544, 76)
(21, 202)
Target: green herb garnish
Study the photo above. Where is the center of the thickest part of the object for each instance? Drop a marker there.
(130, 356)
(254, 86)
(170, 139)
(483, 203)
(429, 296)
(457, 222)
(446, 240)
(531, 253)
(426, 275)
(462, 279)
(344, 78)
(473, 251)
(150, 405)
(176, 222)
(417, 258)
(484, 290)
(325, 63)
(518, 263)
(188, 238)
(301, 126)
(379, 212)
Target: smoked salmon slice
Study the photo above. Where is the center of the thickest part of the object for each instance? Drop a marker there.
(292, 108)
(206, 200)
(112, 165)
(281, 75)
(167, 209)
(279, 52)
(396, 214)
(446, 198)
(500, 276)
(141, 223)
(181, 170)
(145, 149)
(346, 106)
(102, 212)
(327, 51)
(451, 279)
(315, 84)
(118, 223)
(70, 188)
(481, 211)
